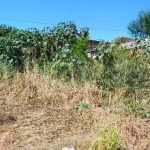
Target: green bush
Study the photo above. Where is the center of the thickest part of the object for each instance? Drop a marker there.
(71, 61)
(119, 70)
(108, 139)
(16, 46)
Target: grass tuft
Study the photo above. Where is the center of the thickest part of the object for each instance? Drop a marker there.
(108, 139)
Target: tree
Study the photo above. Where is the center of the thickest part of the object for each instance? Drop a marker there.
(140, 27)
(66, 33)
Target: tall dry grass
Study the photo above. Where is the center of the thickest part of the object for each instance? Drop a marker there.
(33, 88)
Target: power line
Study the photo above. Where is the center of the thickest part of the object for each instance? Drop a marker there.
(25, 21)
(54, 24)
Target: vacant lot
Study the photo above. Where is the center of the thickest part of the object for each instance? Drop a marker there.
(37, 113)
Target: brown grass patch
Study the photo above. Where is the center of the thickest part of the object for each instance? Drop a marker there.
(34, 89)
(36, 113)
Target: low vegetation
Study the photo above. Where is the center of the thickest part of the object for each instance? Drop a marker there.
(53, 96)
(108, 138)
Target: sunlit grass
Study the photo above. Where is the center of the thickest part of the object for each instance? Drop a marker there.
(107, 139)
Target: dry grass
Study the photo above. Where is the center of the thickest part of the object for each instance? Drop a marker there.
(136, 131)
(36, 113)
(34, 89)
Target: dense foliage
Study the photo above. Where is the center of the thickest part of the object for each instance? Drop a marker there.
(4, 29)
(73, 62)
(32, 45)
(63, 33)
(17, 45)
(123, 67)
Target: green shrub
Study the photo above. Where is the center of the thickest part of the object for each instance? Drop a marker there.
(108, 139)
(71, 61)
(118, 70)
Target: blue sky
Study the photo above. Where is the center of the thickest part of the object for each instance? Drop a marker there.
(106, 19)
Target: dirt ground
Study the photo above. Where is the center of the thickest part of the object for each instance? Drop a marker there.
(32, 127)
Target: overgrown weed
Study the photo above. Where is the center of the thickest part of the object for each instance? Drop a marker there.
(137, 108)
(107, 139)
(6, 71)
